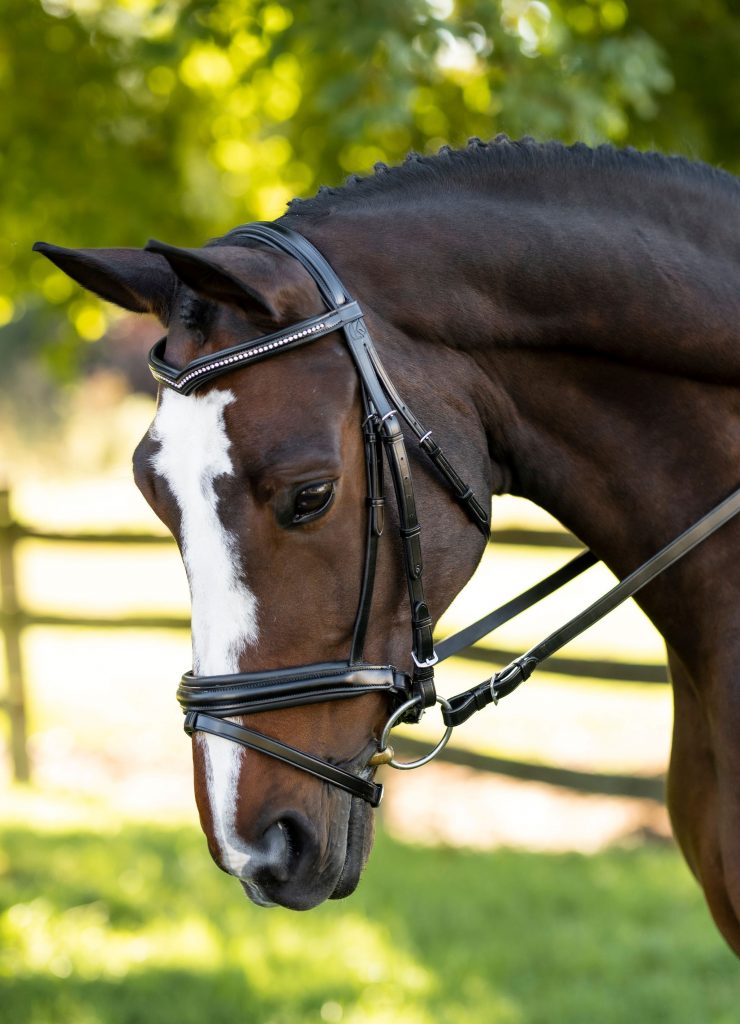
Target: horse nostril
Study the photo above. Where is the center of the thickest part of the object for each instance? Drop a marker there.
(287, 844)
(277, 852)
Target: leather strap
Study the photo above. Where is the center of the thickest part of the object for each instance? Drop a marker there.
(452, 645)
(277, 236)
(375, 521)
(462, 491)
(465, 704)
(372, 792)
(199, 371)
(251, 692)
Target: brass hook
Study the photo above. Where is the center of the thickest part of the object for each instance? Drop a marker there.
(384, 756)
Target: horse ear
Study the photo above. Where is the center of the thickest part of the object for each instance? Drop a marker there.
(132, 278)
(265, 284)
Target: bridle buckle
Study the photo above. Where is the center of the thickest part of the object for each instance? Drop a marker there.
(428, 662)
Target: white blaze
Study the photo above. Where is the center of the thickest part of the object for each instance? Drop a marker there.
(193, 453)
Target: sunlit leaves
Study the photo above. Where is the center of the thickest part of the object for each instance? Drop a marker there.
(206, 67)
(7, 309)
(276, 18)
(89, 319)
(121, 119)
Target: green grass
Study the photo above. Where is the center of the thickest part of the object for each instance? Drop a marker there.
(136, 926)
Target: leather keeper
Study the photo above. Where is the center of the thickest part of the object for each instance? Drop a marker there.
(462, 491)
(422, 620)
(463, 705)
(412, 550)
(423, 689)
(430, 446)
(391, 432)
(377, 513)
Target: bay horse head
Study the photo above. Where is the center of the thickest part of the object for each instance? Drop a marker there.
(268, 473)
(567, 321)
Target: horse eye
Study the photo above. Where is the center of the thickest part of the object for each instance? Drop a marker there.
(312, 501)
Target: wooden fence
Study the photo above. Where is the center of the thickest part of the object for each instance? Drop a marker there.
(14, 619)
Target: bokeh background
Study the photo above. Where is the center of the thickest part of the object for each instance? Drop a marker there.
(529, 879)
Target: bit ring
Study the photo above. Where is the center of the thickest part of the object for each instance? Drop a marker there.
(398, 714)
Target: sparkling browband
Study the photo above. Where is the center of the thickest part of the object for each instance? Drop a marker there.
(201, 370)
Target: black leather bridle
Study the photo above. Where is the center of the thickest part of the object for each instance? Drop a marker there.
(209, 701)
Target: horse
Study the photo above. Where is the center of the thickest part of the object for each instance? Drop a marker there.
(566, 318)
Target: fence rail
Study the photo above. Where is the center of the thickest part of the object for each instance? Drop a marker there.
(645, 787)
(15, 619)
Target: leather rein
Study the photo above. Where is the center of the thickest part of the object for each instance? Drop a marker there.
(210, 701)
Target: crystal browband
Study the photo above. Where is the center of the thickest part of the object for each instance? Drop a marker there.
(203, 369)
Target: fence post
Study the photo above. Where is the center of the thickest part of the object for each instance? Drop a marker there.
(11, 626)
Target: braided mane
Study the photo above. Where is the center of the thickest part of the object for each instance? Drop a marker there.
(483, 162)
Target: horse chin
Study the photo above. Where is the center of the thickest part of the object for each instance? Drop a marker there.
(360, 835)
(255, 895)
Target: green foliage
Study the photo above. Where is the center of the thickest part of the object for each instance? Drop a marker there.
(122, 119)
(140, 926)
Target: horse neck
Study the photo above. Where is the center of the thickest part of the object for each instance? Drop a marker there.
(627, 459)
(607, 334)
(641, 268)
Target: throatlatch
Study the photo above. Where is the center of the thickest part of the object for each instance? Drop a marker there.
(209, 700)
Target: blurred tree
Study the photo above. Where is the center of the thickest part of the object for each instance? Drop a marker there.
(179, 118)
